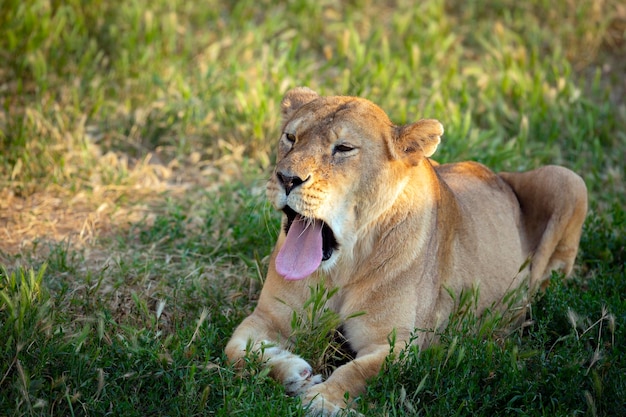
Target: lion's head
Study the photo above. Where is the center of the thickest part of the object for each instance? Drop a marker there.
(341, 164)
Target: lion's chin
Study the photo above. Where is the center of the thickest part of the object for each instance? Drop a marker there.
(329, 243)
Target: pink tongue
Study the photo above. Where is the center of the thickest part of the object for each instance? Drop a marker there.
(301, 253)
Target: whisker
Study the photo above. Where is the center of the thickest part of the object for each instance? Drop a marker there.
(310, 222)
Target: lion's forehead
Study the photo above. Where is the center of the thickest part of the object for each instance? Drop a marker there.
(333, 117)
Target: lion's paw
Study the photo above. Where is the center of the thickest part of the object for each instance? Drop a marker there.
(318, 402)
(318, 406)
(293, 371)
(300, 378)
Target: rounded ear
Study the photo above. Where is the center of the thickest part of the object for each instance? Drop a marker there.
(294, 99)
(419, 139)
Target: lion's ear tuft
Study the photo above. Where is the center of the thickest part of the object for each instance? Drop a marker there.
(419, 139)
(294, 99)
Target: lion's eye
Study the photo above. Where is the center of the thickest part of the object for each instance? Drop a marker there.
(291, 138)
(342, 148)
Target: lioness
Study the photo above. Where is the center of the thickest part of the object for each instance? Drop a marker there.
(367, 211)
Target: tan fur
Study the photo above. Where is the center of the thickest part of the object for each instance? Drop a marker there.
(410, 231)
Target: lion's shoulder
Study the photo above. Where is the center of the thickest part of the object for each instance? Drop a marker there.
(468, 170)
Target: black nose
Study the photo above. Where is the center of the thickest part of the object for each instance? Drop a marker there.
(289, 182)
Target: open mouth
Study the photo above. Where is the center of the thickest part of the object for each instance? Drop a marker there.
(329, 243)
(308, 243)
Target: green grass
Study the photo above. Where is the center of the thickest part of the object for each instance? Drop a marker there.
(135, 140)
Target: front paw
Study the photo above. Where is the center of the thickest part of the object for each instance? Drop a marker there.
(294, 372)
(300, 379)
(318, 401)
(318, 406)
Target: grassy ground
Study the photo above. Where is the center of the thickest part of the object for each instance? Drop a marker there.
(135, 137)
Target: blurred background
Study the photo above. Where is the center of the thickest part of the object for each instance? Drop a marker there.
(135, 140)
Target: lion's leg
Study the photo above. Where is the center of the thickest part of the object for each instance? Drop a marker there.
(557, 249)
(553, 201)
(264, 334)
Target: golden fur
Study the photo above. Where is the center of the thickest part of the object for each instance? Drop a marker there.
(408, 233)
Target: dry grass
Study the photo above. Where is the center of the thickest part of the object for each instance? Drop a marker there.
(81, 217)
